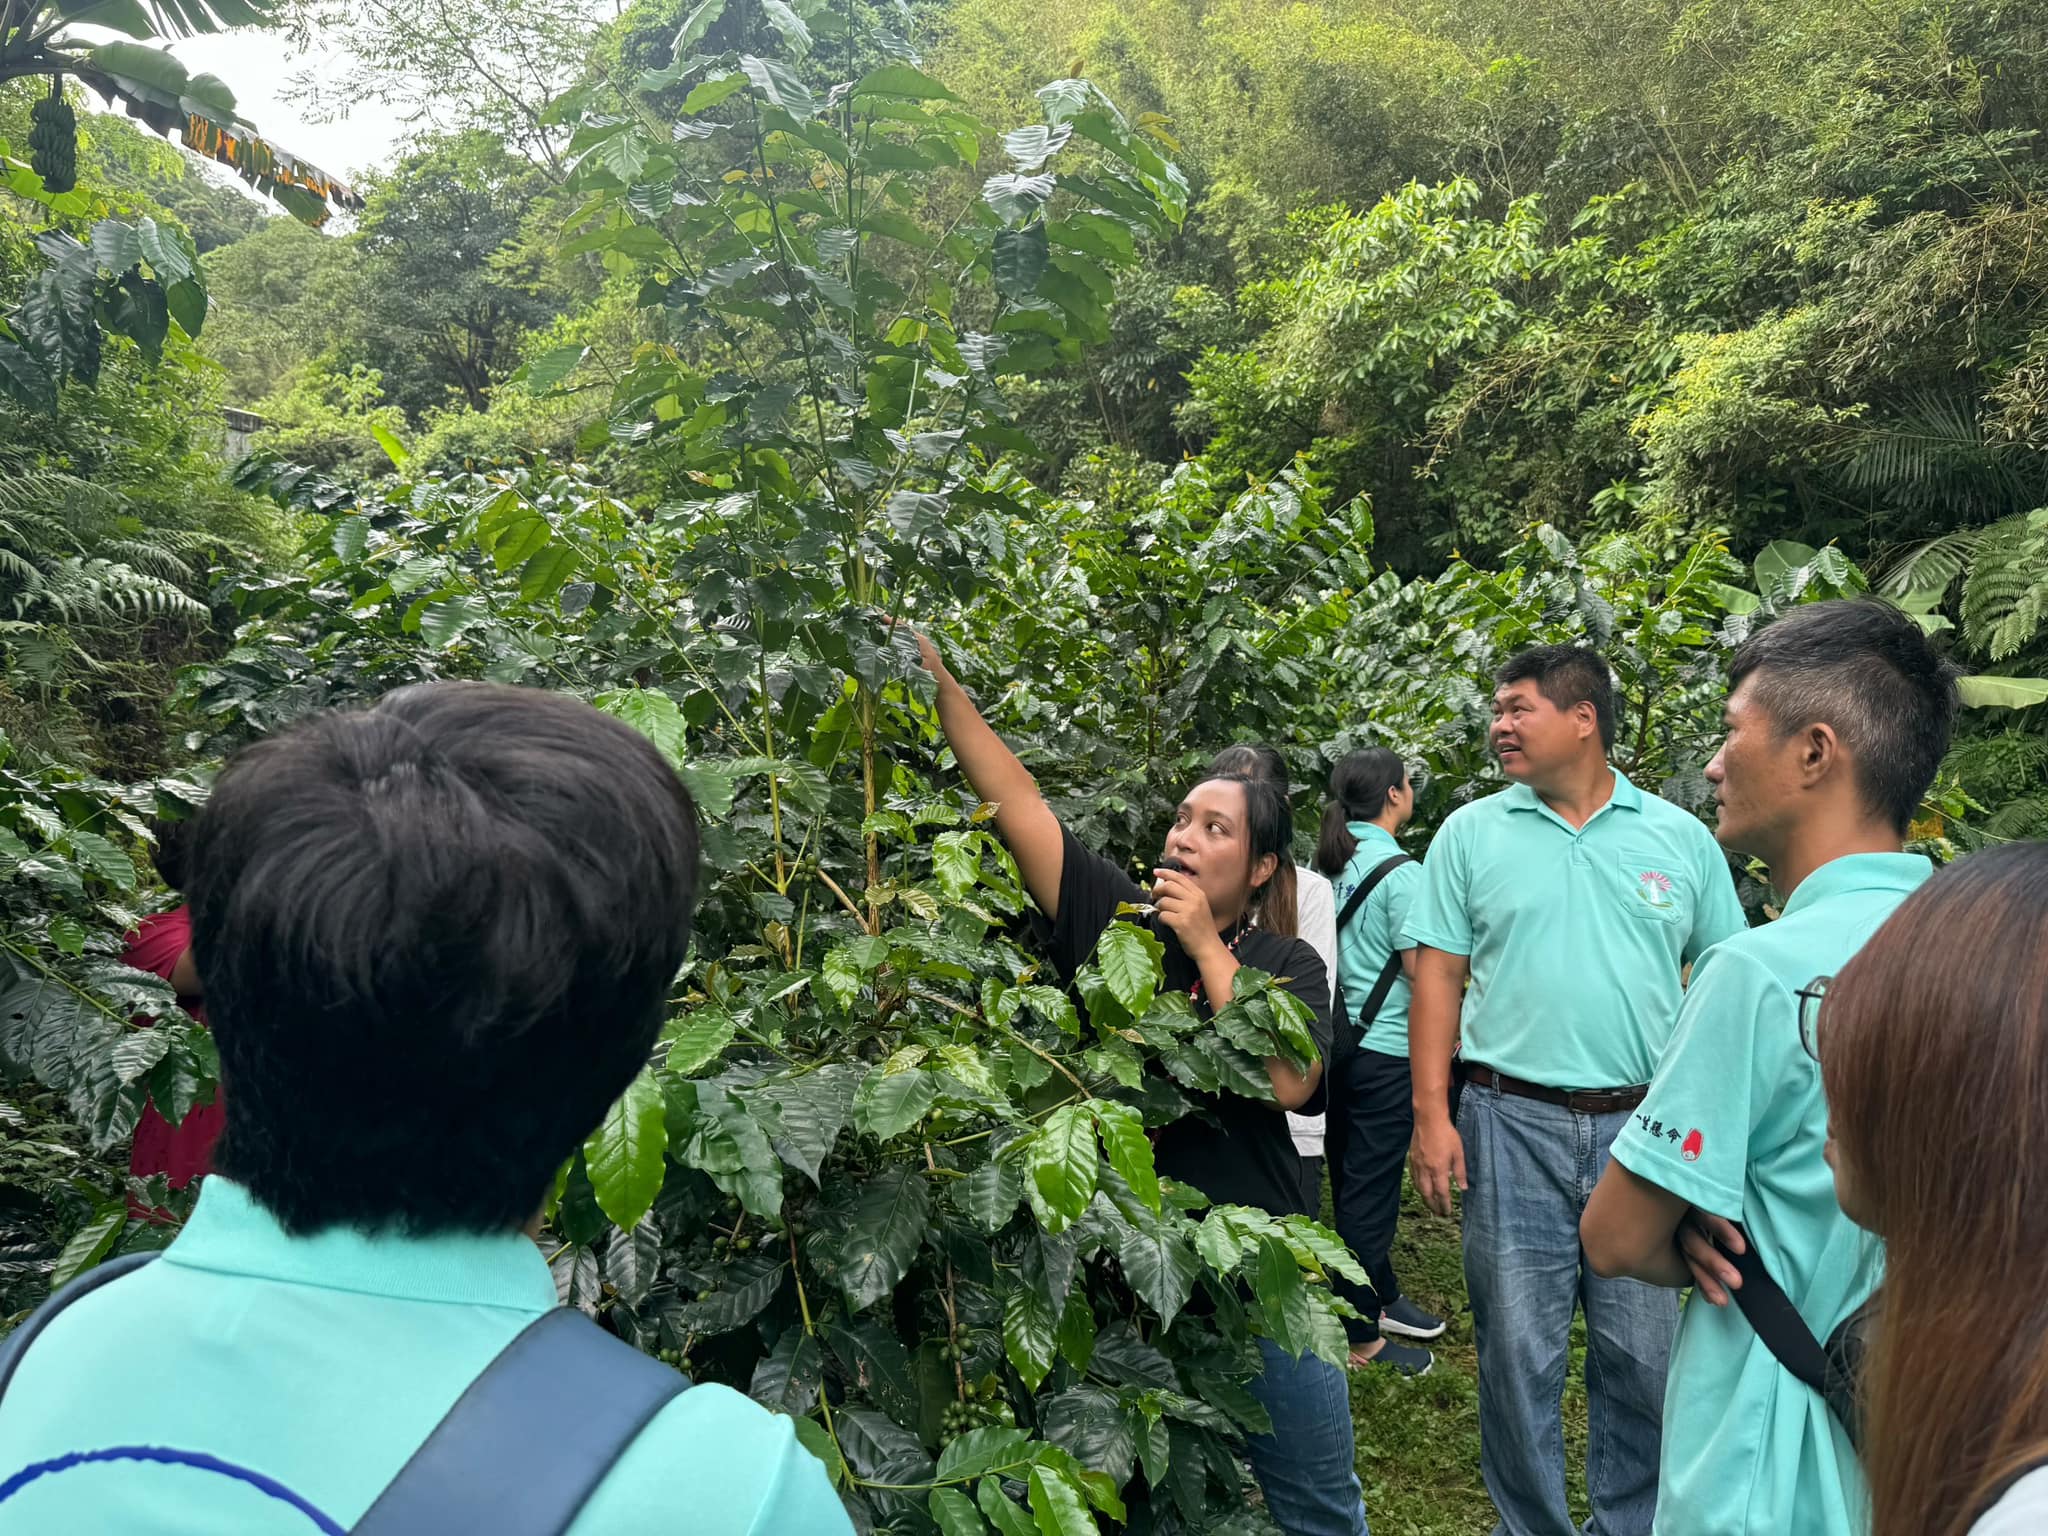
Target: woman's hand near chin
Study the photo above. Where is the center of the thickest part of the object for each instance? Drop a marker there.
(1184, 907)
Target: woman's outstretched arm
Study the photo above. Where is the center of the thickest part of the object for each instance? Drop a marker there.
(1023, 820)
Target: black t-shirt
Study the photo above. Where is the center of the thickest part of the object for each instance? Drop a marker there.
(1253, 1161)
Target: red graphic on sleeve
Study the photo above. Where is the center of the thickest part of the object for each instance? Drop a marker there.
(1694, 1143)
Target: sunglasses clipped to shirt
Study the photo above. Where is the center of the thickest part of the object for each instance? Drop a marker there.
(1811, 996)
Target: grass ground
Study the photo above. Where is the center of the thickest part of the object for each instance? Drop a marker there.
(1418, 1440)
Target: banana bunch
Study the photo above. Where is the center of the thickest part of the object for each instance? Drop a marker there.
(53, 141)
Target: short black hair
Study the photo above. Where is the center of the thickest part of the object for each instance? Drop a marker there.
(437, 936)
(1567, 675)
(1869, 671)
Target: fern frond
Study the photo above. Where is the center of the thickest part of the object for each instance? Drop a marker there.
(1998, 766)
(155, 559)
(1933, 453)
(2025, 817)
(49, 488)
(1933, 565)
(20, 569)
(31, 531)
(2005, 595)
(106, 592)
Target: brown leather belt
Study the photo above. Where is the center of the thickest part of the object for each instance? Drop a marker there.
(1580, 1101)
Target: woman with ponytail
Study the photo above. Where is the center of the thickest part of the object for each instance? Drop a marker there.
(1371, 1115)
(1222, 897)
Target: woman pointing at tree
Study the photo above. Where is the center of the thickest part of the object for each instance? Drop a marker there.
(1223, 897)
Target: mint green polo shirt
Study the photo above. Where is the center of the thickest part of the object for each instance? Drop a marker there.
(1368, 939)
(321, 1363)
(1735, 1124)
(1577, 939)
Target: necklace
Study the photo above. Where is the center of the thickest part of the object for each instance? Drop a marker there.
(1244, 927)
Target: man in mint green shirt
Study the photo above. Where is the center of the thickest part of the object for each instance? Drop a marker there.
(1576, 937)
(437, 938)
(1838, 717)
(1573, 901)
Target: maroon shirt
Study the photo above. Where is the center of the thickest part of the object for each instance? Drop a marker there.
(182, 1151)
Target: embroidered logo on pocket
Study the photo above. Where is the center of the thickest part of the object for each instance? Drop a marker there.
(1653, 889)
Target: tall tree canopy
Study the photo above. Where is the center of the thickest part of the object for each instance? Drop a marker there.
(448, 287)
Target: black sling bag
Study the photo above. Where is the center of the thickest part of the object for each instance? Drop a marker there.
(1833, 1369)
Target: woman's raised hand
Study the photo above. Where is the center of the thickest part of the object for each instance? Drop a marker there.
(1023, 820)
(927, 653)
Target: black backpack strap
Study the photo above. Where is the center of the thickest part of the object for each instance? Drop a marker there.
(1356, 899)
(529, 1441)
(1392, 969)
(1776, 1321)
(1376, 999)
(16, 1343)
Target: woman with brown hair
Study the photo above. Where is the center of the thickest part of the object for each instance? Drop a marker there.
(1933, 1048)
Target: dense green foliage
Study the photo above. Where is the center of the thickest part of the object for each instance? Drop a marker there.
(1269, 374)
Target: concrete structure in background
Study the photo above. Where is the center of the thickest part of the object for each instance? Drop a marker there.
(242, 426)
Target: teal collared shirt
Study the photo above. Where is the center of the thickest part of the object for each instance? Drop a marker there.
(1735, 1123)
(1369, 938)
(314, 1367)
(1577, 938)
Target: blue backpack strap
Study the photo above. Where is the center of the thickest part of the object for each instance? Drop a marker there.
(527, 1444)
(16, 1344)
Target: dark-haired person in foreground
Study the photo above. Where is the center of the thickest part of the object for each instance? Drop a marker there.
(437, 937)
(1837, 718)
(1933, 1046)
(1230, 903)
(1574, 902)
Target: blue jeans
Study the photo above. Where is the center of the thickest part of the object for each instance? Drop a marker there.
(1532, 1167)
(1308, 1465)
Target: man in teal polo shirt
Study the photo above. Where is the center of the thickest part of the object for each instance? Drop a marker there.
(1839, 716)
(437, 938)
(1573, 902)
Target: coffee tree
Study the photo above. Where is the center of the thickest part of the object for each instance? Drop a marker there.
(881, 1173)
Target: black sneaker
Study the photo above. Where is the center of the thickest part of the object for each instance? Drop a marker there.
(1403, 1319)
(1396, 1356)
